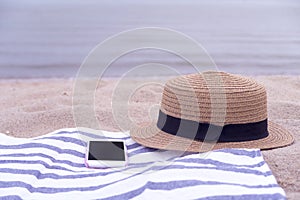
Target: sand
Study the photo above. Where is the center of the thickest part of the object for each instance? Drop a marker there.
(33, 107)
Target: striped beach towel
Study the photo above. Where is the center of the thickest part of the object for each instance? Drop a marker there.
(52, 167)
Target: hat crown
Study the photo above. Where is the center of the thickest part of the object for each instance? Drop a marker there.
(215, 97)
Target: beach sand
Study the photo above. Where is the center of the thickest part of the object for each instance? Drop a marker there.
(33, 107)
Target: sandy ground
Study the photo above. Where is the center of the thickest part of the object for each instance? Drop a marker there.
(35, 107)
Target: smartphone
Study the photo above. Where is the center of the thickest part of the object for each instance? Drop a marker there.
(106, 153)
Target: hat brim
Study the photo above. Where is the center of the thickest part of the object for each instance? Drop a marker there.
(151, 136)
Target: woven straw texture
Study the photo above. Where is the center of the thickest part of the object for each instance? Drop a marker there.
(234, 99)
(217, 98)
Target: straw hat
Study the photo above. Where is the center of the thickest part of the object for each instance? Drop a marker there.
(212, 110)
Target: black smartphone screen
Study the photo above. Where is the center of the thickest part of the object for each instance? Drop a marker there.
(106, 150)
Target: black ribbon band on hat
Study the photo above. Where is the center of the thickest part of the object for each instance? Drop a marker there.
(199, 131)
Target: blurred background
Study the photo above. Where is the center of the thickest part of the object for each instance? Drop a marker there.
(43, 39)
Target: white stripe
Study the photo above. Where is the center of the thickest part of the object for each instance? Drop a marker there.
(229, 158)
(38, 158)
(49, 152)
(138, 180)
(62, 183)
(156, 176)
(206, 191)
(181, 193)
(153, 156)
(23, 193)
(41, 168)
(61, 144)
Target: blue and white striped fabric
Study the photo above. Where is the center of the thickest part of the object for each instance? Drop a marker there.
(52, 167)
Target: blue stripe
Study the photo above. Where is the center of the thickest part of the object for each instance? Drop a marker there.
(67, 132)
(40, 175)
(242, 152)
(11, 197)
(46, 146)
(140, 151)
(175, 185)
(251, 154)
(184, 160)
(83, 143)
(66, 139)
(54, 148)
(177, 164)
(216, 163)
(67, 162)
(276, 196)
(133, 146)
(46, 165)
(171, 185)
(49, 190)
(239, 170)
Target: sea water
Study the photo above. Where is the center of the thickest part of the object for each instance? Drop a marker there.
(52, 38)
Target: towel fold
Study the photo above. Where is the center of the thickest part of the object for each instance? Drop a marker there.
(52, 167)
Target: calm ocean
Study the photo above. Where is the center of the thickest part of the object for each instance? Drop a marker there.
(52, 38)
